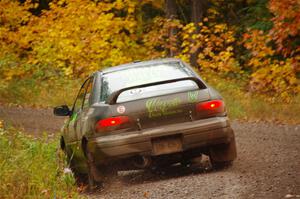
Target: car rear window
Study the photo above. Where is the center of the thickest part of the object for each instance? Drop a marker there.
(139, 75)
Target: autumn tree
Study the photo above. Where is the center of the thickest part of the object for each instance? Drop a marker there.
(273, 55)
(171, 14)
(286, 29)
(43, 39)
(198, 10)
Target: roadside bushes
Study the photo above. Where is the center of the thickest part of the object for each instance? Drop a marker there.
(32, 168)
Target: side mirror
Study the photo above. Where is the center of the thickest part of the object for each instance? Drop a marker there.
(62, 110)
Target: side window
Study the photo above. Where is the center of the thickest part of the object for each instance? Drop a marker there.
(88, 93)
(80, 97)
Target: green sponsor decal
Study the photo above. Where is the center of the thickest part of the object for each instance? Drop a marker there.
(73, 117)
(193, 96)
(158, 107)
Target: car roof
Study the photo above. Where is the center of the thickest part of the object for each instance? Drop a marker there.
(139, 63)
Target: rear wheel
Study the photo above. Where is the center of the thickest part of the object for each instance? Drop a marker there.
(95, 178)
(97, 175)
(222, 155)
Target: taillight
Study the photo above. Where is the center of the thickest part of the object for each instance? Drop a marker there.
(112, 123)
(214, 106)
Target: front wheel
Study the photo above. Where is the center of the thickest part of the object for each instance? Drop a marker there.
(72, 164)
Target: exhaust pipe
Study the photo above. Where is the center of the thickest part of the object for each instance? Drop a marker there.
(142, 162)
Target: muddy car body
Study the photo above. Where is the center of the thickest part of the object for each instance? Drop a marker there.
(143, 114)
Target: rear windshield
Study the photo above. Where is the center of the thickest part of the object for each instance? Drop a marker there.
(117, 80)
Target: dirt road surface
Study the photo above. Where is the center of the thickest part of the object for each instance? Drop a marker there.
(268, 164)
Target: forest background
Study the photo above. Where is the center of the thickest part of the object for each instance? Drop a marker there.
(248, 49)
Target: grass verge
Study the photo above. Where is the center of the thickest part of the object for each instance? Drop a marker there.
(37, 93)
(32, 168)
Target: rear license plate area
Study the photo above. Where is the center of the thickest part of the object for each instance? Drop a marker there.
(166, 145)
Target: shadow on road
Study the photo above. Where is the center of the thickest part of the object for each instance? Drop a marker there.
(172, 172)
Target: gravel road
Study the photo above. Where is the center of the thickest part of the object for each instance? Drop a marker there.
(268, 164)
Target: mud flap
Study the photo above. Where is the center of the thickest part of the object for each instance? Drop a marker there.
(223, 152)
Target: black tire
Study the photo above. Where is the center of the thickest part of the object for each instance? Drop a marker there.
(79, 177)
(221, 165)
(222, 155)
(95, 178)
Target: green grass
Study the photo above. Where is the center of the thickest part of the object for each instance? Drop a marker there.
(32, 92)
(32, 168)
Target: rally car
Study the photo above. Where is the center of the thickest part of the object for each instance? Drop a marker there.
(145, 114)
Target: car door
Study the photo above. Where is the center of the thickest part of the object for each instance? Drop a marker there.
(81, 126)
(72, 136)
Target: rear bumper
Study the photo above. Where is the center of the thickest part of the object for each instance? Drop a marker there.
(194, 134)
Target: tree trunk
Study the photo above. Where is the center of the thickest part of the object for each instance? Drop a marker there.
(171, 9)
(171, 13)
(198, 10)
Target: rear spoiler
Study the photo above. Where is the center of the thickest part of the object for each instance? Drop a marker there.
(112, 99)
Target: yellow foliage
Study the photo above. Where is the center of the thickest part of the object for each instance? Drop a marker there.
(76, 37)
(214, 44)
(276, 78)
(158, 40)
(269, 75)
